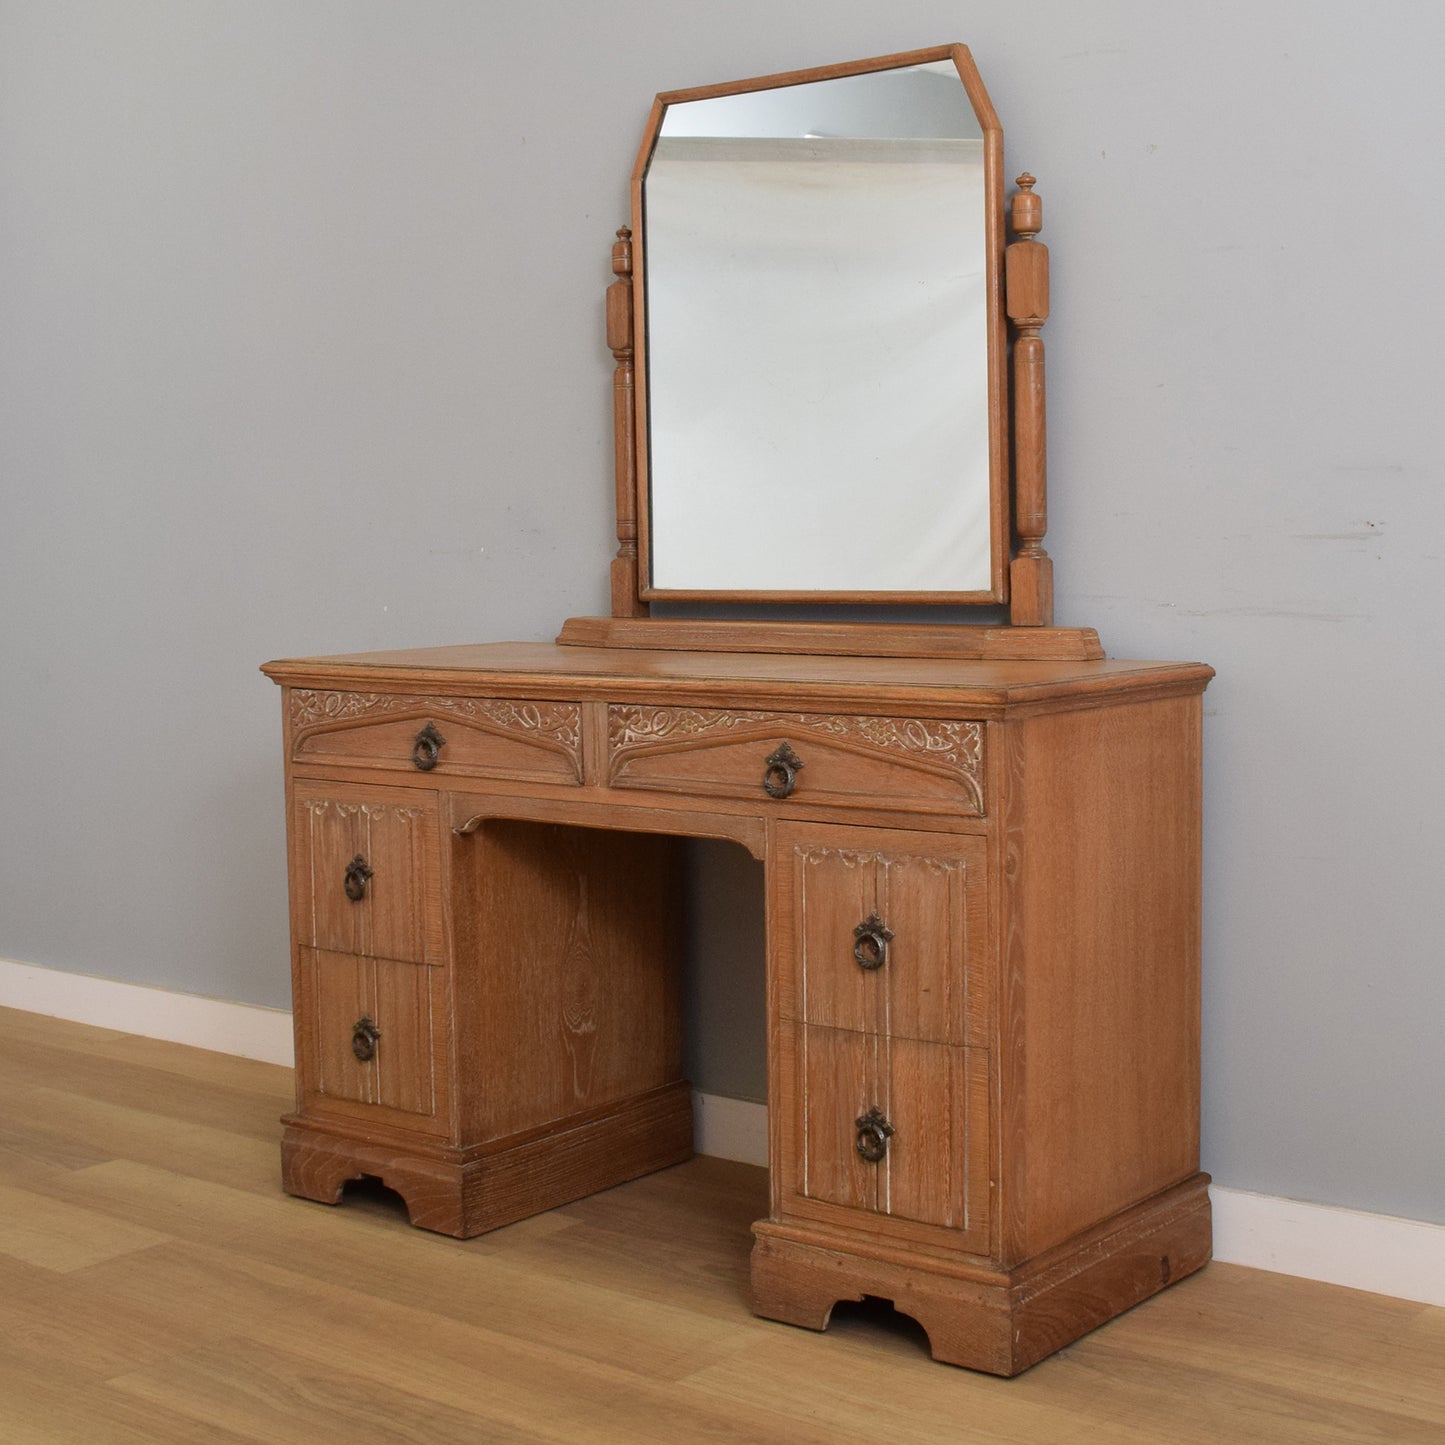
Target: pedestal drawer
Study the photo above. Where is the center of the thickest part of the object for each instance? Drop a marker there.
(917, 764)
(365, 871)
(884, 932)
(372, 1041)
(896, 1129)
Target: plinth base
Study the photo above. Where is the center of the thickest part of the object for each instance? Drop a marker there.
(997, 1321)
(467, 1192)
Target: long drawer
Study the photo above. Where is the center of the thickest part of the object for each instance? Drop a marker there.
(918, 764)
(476, 737)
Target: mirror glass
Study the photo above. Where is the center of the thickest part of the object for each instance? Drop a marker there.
(817, 344)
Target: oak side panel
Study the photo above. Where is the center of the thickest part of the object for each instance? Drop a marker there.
(1104, 902)
(567, 971)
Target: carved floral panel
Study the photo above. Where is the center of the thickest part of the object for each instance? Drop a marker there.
(554, 724)
(950, 747)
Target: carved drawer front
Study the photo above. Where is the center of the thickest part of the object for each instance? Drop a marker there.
(372, 1038)
(884, 932)
(893, 1128)
(906, 763)
(445, 736)
(366, 872)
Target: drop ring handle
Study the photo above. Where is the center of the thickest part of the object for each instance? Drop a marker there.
(364, 1034)
(426, 748)
(870, 942)
(780, 772)
(874, 1132)
(357, 872)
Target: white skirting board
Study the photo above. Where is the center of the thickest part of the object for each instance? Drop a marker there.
(1374, 1252)
(154, 1013)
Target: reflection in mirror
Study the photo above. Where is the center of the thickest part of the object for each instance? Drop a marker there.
(817, 340)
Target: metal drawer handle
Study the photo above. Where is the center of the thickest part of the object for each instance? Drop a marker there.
(357, 872)
(781, 772)
(364, 1034)
(874, 1132)
(426, 748)
(870, 942)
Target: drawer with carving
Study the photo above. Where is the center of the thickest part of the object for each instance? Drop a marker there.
(450, 736)
(906, 763)
(893, 1129)
(883, 931)
(365, 871)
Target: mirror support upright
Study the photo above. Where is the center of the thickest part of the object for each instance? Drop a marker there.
(625, 601)
(1026, 296)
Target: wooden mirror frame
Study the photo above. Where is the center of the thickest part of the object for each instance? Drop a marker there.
(1017, 288)
(995, 400)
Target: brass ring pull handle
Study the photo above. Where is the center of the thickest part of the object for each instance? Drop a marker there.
(426, 748)
(874, 1132)
(870, 942)
(357, 872)
(364, 1034)
(781, 772)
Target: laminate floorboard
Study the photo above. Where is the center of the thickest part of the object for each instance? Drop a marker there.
(156, 1285)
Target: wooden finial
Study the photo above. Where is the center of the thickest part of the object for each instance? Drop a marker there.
(1026, 210)
(622, 252)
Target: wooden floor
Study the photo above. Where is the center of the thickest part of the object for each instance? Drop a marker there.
(156, 1285)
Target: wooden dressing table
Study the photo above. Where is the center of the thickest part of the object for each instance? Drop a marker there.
(981, 850)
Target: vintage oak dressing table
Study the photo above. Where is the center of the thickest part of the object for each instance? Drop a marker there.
(981, 843)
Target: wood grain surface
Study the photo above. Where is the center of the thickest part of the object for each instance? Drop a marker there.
(156, 1285)
(489, 1023)
(922, 686)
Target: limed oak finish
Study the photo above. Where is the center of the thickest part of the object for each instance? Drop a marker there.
(983, 970)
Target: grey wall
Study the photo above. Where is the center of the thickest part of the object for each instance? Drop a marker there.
(300, 352)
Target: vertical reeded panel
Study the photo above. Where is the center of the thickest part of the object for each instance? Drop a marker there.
(342, 992)
(397, 839)
(923, 1177)
(921, 898)
(329, 835)
(835, 889)
(839, 1070)
(405, 1067)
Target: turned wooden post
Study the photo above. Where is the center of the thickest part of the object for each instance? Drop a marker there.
(1026, 287)
(625, 601)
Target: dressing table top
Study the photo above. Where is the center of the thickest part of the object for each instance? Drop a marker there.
(518, 668)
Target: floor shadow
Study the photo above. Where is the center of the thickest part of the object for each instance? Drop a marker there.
(370, 1196)
(878, 1319)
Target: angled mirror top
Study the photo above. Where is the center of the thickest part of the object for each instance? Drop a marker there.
(822, 338)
